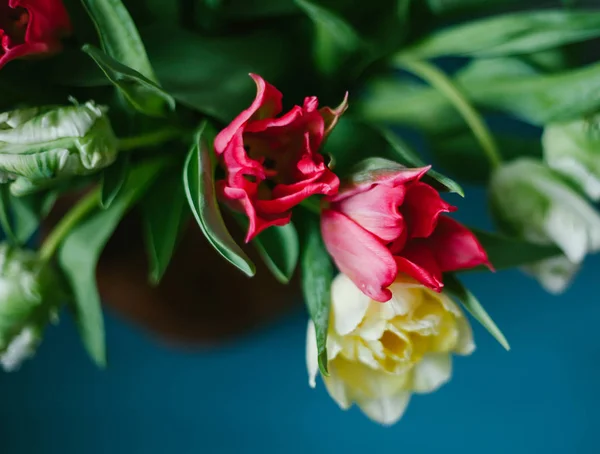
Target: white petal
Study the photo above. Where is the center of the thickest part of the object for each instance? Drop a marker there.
(22, 347)
(348, 304)
(567, 231)
(554, 274)
(465, 344)
(431, 372)
(387, 410)
(312, 360)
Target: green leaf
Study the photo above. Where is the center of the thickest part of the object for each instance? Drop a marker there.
(335, 40)
(503, 84)
(119, 36)
(509, 34)
(112, 181)
(80, 251)
(440, 7)
(411, 159)
(199, 184)
(28, 211)
(471, 304)
(506, 252)
(165, 213)
(317, 275)
(210, 74)
(5, 217)
(278, 247)
(143, 94)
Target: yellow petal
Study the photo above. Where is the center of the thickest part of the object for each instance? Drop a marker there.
(387, 410)
(348, 304)
(431, 372)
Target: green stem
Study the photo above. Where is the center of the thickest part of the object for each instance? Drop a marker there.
(66, 224)
(149, 139)
(439, 80)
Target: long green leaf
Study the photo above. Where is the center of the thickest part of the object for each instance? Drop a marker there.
(165, 212)
(199, 184)
(143, 94)
(335, 39)
(502, 84)
(509, 34)
(471, 304)
(317, 275)
(119, 36)
(505, 252)
(80, 251)
(5, 214)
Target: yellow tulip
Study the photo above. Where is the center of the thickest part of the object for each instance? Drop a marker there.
(381, 353)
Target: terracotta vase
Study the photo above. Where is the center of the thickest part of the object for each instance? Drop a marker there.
(201, 299)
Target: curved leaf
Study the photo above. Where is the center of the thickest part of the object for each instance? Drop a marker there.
(143, 94)
(199, 184)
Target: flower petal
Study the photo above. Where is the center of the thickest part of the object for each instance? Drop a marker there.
(348, 305)
(358, 254)
(422, 207)
(376, 210)
(397, 176)
(419, 263)
(431, 372)
(331, 116)
(455, 247)
(267, 103)
(386, 410)
(312, 355)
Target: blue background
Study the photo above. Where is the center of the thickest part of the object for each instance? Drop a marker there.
(253, 395)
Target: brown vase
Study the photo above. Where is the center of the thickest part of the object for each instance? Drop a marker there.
(200, 300)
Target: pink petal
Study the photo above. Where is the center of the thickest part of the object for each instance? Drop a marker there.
(359, 255)
(388, 177)
(455, 247)
(422, 207)
(376, 210)
(267, 103)
(419, 262)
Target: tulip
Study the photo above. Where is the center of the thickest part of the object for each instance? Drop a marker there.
(386, 221)
(378, 355)
(41, 144)
(531, 201)
(29, 298)
(273, 163)
(573, 149)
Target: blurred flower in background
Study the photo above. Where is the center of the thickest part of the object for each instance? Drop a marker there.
(379, 354)
(30, 295)
(533, 202)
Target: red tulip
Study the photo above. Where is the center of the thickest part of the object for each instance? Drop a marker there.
(392, 223)
(273, 163)
(31, 27)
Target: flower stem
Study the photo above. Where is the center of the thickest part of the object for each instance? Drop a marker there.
(149, 139)
(72, 218)
(439, 80)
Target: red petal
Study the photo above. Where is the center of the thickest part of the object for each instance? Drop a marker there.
(419, 262)
(376, 210)
(359, 255)
(267, 103)
(422, 207)
(455, 247)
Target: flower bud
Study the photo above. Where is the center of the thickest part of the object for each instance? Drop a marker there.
(531, 201)
(41, 144)
(573, 149)
(29, 298)
(380, 354)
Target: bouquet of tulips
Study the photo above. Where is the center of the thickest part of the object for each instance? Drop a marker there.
(299, 121)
